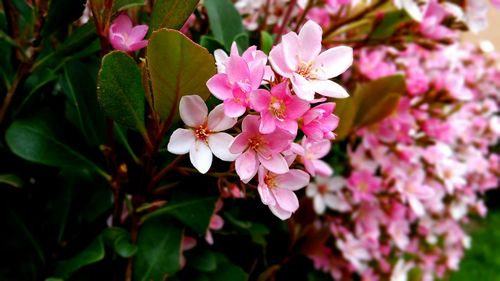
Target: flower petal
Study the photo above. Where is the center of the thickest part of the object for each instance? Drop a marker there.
(319, 204)
(200, 156)
(219, 86)
(247, 165)
(290, 43)
(181, 140)
(286, 199)
(220, 60)
(333, 62)
(219, 144)
(193, 110)
(293, 180)
(218, 121)
(122, 24)
(275, 163)
(138, 32)
(279, 212)
(328, 88)
(260, 100)
(277, 60)
(240, 143)
(302, 87)
(233, 109)
(265, 195)
(310, 41)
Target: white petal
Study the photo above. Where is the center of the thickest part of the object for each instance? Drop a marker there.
(310, 41)
(333, 62)
(218, 121)
(220, 60)
(280, 213)
(319, 204)
(193, 110)
(328, 88)
(200, 156)
(219, 144)
(180, 142)
(302, 87)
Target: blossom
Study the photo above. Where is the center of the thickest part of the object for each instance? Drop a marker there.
(238, 77)
(313, 151)
(326, 192)
(125, 37)
(363, 185)
(276, 191)
(256, 148)
(298, 58)
(278, 108)
(204, 137)
(319, 122)
(413, 189)
(354, 251)
(216, 222)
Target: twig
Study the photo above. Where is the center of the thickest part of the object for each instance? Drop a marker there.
(292, 4)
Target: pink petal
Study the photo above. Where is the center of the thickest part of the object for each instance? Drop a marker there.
(267, 123)
(247, 165)
(328, 88)
(265, 195)
(309, 166)
(310, 41)
(137, 33)
(218, 121)
(286, 199)
(200, 156)
(233, 109)
(280, 213)
(122, 24)
(333, 62)
(216, 222)
(296, 107)
(260, 100)
(181, 140)
(237, 69)
(290, 43)
(138, 45)
(250, 124)
(118, 42)
(193, 110)
(293, 180)
(277, 60)
(275, 163)
(302, 87)
(322, 168)
(240, 143)
(278, 140)
(219, 144)
(289, 125)
(219, 86)
(318, 149)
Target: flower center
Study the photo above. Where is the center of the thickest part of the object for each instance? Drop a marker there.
(254, 143)
(277, 108)
(269, 181)
(202, 133)
(305, 70)
(322, 188)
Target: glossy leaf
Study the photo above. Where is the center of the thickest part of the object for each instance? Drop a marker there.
(171, 13)
(191, 207)
(120, 91)
(225, 21)
(120, 5)
(11, 180)
(159, 247)
(210, 43)
(38, 139)
(118, 239)
(177, 67)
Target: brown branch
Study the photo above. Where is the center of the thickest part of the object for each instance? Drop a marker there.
(288, 13)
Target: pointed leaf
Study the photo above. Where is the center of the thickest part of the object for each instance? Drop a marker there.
(177, 67)
(120, 91)
(225, 21)
(171, 13)
(11, 180)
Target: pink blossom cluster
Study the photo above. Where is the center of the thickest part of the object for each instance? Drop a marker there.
(278, 116)
(418, 176)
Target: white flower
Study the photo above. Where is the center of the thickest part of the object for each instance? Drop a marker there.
(326, 192)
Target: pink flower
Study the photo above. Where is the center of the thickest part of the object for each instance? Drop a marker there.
(363, 186)
(124, 37)
(313, 151)
(276, 191)
(412, 189)
(258, 148)
(355, 251)
(298, 58)
(278, 108)
(203, 136)
(327, 192)
(319, 122)
(238, 77)
(216, 222)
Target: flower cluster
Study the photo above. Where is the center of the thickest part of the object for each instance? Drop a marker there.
(273, 103)
(416, 177)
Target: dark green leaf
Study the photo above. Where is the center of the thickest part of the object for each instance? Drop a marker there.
(242, 41)
(201, 259)
(192, 208)
(159, 247)
(210, 43)
(120, 91)
(225, 21)
(95, 252)
(171, 13)
(61, 13)
(79, 84)
(120, 5)
(227, 270)
(177, 67)
(118, 239)
(37, 139)
(11, 180)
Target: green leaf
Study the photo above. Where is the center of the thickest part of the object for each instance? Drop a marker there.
(171, 13)
(226, 270)
(225, 21)
(177, 67)
(61, 13)
(201, 259)
(78, 82)
(118, 239)
(120, 91)
(210, 43)
(120, 5)
(93, 253)
(159, 247)
(38, 139)
(12, 180)
(242, 41)
(371, 102)
(266, 42)
(191, 207)
(389, 24)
